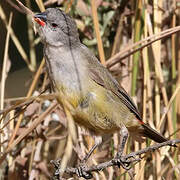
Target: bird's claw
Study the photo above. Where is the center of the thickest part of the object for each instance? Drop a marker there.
(122, 161)
(56, 164)
(125, 162)
(81, 171)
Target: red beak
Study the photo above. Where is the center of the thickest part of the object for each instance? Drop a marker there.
(41, 18)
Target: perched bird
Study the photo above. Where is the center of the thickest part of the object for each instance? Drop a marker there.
(99, 103)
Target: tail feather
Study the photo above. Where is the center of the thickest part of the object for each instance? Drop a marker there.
(153, 134)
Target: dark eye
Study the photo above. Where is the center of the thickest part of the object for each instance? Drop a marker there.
(54, 25)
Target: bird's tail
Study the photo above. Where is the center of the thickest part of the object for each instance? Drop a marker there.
(152, 134)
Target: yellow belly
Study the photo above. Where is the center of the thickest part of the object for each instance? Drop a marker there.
(100, 111)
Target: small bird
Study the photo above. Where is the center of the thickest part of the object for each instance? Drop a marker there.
(99, 103)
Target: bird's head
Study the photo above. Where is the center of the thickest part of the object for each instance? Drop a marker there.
(56, 28)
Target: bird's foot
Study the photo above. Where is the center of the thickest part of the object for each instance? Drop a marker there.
(122, 161)
(125, 162)
(81, 171)
(56, 164)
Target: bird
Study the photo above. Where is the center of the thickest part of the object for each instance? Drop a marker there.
(99, 103)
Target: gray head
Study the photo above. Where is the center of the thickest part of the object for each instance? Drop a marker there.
(56, 28)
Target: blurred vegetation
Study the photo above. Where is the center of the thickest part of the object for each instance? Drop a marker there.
(34, 127)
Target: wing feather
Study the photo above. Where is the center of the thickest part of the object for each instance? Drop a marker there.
(99, 74)
(111, 84)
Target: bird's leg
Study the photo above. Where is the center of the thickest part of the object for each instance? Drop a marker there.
(98, 141)
(120, 159)
(81, 170)
(123, 138)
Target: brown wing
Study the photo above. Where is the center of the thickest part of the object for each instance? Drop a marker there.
(102, 77)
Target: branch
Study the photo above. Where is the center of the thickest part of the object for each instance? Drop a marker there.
(139, 46)
(130, 158)
(24, 8)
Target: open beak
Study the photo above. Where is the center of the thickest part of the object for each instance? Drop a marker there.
(40, 18)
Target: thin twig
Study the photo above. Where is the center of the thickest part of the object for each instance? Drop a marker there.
(27, 131)
(3, 79)
(30, 91)
(24, 8)
(147, 41)
(15, 6)
(98, 36)
(14, 38)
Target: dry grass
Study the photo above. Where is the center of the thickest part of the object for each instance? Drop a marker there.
(140, 41)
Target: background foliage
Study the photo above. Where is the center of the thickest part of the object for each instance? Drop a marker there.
(35, 130)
